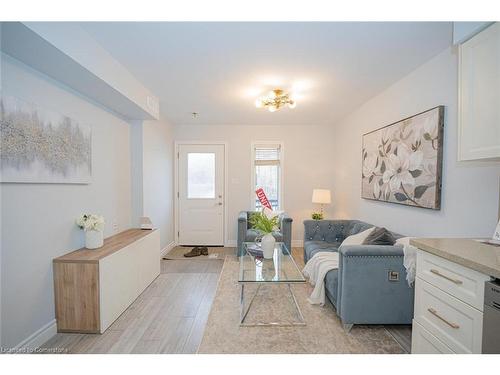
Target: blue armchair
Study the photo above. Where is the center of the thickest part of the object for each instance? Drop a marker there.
(370, 286)
(247, 234)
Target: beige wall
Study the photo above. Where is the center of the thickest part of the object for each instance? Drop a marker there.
(308, 163)
(470, 190)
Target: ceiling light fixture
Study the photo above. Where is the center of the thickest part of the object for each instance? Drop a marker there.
(275, 100)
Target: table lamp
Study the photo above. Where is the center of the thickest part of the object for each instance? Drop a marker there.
(321, 196)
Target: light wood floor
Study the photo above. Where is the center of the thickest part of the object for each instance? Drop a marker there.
(168, 317)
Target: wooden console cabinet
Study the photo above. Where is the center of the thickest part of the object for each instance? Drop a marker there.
(93, 287)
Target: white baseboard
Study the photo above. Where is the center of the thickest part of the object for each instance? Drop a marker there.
(38, 338)
(167, 248)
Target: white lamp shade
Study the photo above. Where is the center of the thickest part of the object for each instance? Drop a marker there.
(322, 196)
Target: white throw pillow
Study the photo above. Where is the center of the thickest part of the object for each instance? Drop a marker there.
(357, 239)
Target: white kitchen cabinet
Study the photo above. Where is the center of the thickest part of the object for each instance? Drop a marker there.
(461, 282)
(423, 342)
(448, 306)
(450, 320)
(479, 96)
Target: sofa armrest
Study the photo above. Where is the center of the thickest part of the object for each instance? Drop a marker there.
(242, 231)
(372, 286)
(286, 230)
(242, 217)
(374, 250)
(285, 220)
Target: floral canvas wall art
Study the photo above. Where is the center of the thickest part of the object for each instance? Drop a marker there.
(402, 162)
(42, 146)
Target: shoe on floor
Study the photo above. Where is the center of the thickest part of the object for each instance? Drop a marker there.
(195, 252)
(204, 250)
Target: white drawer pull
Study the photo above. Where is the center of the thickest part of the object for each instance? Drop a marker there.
(435, 313)
(436, 272)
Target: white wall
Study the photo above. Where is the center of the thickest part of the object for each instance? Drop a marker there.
(470, 190)
(38, 219)
(136, 166)
(158, 170)
(308, 162)
(1, 248)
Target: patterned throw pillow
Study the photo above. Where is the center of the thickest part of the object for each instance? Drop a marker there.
(357, 239)
(380, 236)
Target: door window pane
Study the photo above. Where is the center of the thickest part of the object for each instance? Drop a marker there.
(201, 175)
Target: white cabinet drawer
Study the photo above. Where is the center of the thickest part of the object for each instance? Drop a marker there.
(423, 342)
(465, 284)
(453, 322)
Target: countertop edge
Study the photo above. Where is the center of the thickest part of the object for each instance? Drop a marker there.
(63, 259)
(468, 263)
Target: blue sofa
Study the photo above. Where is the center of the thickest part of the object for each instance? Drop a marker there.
(247, 234)
(362, 289)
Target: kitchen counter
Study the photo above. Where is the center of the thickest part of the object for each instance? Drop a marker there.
(469, 253)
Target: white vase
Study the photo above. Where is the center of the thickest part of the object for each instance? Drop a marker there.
(267, 244)
(94, 239)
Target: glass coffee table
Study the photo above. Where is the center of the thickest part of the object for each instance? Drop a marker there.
(280, 271)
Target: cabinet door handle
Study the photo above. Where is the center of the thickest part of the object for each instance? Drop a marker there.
(455, 281)
(435, 313)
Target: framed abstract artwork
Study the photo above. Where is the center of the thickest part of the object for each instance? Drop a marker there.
(402, 162)
(38, 145)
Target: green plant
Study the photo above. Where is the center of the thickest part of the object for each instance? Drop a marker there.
(317, 216)
(262, 223)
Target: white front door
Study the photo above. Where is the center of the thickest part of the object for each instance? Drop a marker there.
(201, 199)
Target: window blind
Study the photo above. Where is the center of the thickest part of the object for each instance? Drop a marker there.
(267, 155)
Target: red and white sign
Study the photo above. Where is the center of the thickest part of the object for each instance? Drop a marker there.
(263, 199)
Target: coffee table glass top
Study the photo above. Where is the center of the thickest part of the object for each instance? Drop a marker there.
(280, 269)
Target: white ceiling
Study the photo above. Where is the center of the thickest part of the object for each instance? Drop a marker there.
(218, 69)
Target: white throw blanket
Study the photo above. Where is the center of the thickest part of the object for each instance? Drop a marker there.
(316, 269)
(409, 259)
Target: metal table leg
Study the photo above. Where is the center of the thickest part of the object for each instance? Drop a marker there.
(244, 311)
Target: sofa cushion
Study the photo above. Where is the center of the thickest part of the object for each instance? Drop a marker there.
(331, 285)
(313, 247)
(252, 234)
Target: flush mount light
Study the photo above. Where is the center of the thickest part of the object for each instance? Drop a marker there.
(275, 100)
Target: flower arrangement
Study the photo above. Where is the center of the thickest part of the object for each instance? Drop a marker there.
(89, 222)
(264, 222)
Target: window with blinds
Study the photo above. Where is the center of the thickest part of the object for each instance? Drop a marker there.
(267, 170)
